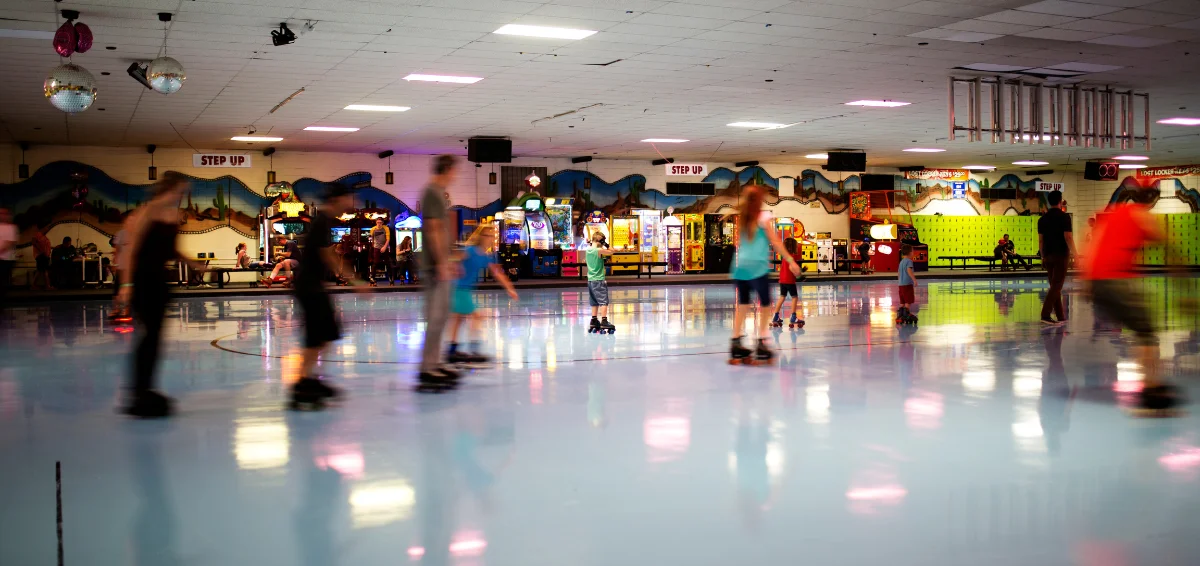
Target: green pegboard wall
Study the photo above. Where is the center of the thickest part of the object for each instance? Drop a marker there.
(975, 235)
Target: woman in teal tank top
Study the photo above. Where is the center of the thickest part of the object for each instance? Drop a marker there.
(751, 264)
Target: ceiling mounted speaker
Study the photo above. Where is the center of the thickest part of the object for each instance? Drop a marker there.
(583, 159)
(746, 164)
(663, 161)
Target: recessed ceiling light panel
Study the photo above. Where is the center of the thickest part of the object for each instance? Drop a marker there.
(878, 103)
(979, 167)
(817, 156)
(1030, 163)
(924, 150)
(544, 31)
(757, 125)
(256, 138)
(1131, 166)
(1181, 121)
(376, 108)
(664, 140)
(1131, 158)
(443, 79)
(329, 129)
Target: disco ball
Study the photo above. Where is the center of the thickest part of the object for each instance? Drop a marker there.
(165, 75)
(70, 88)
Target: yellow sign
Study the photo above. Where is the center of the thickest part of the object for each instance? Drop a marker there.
(291, 208)
(620, 234)
(470, 222)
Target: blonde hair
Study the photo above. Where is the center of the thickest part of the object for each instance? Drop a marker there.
(750, 209)
(478, 236)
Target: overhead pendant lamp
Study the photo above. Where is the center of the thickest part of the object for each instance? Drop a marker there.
(492, 175)
(388, 177)
(152, 174)
(270, 152)
(23, 168)
(587, 179)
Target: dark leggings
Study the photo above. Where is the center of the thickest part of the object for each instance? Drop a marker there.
(149, 309)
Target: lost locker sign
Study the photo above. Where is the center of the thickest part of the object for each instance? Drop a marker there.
(239, 160)
(688, 169)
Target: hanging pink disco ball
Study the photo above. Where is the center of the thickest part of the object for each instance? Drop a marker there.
(83, 35)
(65, 39)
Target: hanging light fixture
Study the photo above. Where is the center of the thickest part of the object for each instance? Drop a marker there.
(388, 178)
(270, 152)
(492, 175)
(153, 172)
(23, 168)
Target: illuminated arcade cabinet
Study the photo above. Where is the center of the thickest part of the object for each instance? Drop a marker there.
(542, 257)
(408, 227)
(626, 243)
(886, 236)
(653, 238)
(559, 211)
(693, 242)
(720, 242)
(286, 216)
(672, 228)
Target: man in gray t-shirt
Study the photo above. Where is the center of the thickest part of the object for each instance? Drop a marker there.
(438, 275)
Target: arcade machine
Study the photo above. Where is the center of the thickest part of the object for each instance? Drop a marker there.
(512, 234)
(542, 255)
(825, 259)
(720, 243)
(693, 242)
(673, 232)
(920, 251)
(626, 244)
(808, 250)
(884, 235)
(406, 261)
(786, 228)
(558, 210)
(653, 238)
(287, 216)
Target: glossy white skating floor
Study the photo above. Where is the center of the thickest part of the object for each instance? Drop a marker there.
(977, 438)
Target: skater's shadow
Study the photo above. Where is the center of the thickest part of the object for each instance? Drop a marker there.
(155, 522)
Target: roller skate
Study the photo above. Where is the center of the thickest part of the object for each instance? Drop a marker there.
(594, 326)
(311, 394)
(1160, 401)
(461, 358)
(795, 322)
(738, 354)
(607, 327)
(776, 322)
(149, 404)
(440, 380)
(762, 354)
(904, 316)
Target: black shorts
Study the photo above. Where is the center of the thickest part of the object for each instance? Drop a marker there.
(786, 289)
(760, 286)
(320, 322)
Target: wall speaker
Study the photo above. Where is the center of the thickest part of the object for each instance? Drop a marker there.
(1101, 170)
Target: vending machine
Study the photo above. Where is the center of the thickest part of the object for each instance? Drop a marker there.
(673, 243)
(825, 259)
(693, 243)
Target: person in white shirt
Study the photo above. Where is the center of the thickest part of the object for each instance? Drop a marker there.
(8, 252)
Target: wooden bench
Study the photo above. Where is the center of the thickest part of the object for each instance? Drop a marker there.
(991, 261)
(221, 273)
(649, 267)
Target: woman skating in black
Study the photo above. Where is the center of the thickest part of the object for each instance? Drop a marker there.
(151, 233)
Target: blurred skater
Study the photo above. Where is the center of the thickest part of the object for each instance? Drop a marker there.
(1109, 268)
(439, 270)
(320, 323)
(474, 258)
(751, 263)
(8, 253)
(151, 231)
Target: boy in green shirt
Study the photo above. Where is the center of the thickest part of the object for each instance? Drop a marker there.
(597, 286)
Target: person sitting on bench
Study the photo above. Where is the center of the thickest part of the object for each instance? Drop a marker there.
(1006, 252)
(243, 258)
(289, 261)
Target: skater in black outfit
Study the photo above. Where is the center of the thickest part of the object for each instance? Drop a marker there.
(151, 232)
(320, 321)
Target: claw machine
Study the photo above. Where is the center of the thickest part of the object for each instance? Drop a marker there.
(512, 240)
(558, 211)
(693, 242)
(786, 228)
(626, 244)
(653, 238)
(673, 243)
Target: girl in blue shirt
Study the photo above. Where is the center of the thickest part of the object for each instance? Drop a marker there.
(751, 263)
(474, 258)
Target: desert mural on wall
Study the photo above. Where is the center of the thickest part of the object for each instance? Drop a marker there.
(1168, 187)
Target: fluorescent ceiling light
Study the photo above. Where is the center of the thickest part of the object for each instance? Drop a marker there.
(544, 31)
(817, 156)
(443, 79)
(978, 167)
(256, 138)
(375, 108)
(1181, 121)
(1131, 166)
(663, 140)
(1030, 163)
(758, 125)
(924, 150)
(1131, 158)
(878, 103)
(1044, 137)
(329, 129)
(26, 34)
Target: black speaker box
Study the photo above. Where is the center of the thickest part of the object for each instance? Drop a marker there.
(852, 162)
(489, 150)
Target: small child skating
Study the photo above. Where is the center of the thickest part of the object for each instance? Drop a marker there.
(597, 285)
(751, 263)
(787, 286)
(908, 284)
(462, 302)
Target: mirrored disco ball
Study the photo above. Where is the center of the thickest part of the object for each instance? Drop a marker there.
(70, 88)
(165, 75)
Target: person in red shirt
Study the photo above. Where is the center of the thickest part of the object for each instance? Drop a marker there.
(787, 286)
(1109, 270)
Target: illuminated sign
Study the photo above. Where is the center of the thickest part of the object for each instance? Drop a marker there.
(533, 180)
(938, 174)
(291, 208)
(958, 189)
(883, 231)
(1176, 171)
(277, 189)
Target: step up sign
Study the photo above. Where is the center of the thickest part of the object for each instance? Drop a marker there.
(689, 169)
(1044, 187)
(240, 160)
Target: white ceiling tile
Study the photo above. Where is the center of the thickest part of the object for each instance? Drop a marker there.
(1176, 7)
(933, 8)
(1102, 26)
(1085, 67)
(1130, 41)
(982, 26)
(1190, 24)
(1027, 18)
(954, 35)
(1067, 8)
(1121, 3)
(1147, 17)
